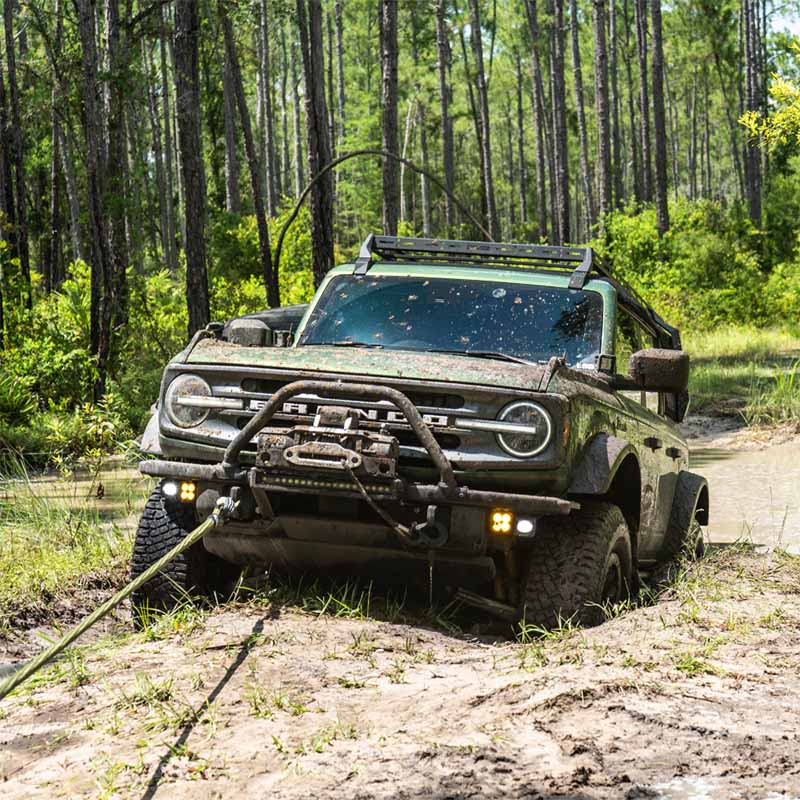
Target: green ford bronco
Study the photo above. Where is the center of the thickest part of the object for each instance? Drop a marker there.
(496, 421)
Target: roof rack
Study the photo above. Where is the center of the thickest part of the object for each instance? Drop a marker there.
(482, 254)
(583, 261)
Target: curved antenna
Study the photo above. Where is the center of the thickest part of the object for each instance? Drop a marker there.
(367, 152)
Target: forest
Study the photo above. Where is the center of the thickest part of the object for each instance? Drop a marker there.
(152, 151)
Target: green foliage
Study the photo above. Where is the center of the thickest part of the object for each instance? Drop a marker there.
(704, 272)
(17, 402)
(238, 284)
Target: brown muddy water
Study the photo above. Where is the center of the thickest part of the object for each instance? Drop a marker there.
(754, 494)
(116, 492)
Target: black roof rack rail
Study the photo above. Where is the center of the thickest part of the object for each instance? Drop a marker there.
(505, 254)
(453, 251)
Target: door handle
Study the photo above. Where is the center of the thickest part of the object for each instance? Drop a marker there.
(673, 452)
(653, 443)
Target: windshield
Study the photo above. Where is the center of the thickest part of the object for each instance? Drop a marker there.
(440, 314)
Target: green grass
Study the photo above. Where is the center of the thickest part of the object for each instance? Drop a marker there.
(54, 542)
(748, 372)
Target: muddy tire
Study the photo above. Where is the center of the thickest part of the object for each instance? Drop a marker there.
(684, 536)
(194, 573)
(577, 564)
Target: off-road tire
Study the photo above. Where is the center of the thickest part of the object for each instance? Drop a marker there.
(194, 573)
(684, 536)
(570, 563)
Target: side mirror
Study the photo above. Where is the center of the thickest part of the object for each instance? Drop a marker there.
(660, 370)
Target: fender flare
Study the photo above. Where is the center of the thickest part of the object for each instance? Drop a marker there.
(599, 463)
(694, 488)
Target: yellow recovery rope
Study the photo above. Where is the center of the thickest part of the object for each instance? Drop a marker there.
(225, 507)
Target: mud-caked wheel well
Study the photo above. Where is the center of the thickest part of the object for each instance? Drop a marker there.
(625, 492)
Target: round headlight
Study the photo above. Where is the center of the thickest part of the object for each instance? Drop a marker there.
(529, 429)
(178, 400)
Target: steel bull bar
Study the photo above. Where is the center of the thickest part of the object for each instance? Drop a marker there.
(446, 491)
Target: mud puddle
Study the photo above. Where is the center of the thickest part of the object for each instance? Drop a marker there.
(115, 492)
(754, 493)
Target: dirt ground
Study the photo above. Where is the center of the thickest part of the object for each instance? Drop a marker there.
(694, 696)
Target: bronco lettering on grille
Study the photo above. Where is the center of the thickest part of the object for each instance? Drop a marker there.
(368, 414)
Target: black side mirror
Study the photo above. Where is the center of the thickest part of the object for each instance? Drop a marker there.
(660, 370)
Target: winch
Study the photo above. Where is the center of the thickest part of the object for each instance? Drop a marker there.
(334, 442)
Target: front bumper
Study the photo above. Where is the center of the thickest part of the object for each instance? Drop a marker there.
(399, 489)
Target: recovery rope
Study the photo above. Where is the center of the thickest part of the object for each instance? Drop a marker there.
(224, 508)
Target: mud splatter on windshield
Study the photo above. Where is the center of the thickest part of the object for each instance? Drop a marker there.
(528, 322)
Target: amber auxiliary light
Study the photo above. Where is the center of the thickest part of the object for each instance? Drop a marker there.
(501, 521)
(188, 492)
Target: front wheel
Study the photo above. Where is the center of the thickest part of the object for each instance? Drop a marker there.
(195, 572)
(578, 565)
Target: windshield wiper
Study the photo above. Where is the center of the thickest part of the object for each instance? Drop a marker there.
(486, 354)
(345, 344)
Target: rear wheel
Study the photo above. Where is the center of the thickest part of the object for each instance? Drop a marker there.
(577, 565)
(195, 572)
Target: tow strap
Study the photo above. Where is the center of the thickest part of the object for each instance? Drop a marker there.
(224, 508)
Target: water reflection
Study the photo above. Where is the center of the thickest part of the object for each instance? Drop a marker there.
(755, 494)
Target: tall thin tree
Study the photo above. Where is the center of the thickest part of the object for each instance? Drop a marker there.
(187, 101)
(601, 107)
(577, 73)
(309, 22)
(493, 223)
(389, 78)
(659, 121)
(232, 58)
(445, 96)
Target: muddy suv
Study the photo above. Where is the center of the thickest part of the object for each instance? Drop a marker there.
(498, 421)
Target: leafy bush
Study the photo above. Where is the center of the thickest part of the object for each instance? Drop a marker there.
(704, 272)
(17, 402)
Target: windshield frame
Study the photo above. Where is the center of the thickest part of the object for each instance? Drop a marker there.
(522, 276)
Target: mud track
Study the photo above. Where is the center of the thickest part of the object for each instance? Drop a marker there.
(698, 693)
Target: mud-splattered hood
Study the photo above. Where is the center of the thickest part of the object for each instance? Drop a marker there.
(374, 363)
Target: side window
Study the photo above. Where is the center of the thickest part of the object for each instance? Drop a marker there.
(629, 337)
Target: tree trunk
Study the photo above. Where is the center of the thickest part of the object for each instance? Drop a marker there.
(187, 101)
(601, 106)
(270, 159)
(659, 121)
(493, 223)
(338, 12)
(560, 139)
(542, 157)
(391, 183)
(285, 161)
(445, 95)
(55, 258)
(646, 180)
(158, 150)
(299, 177)
(522, 171)
(117, 188)
(101, 270)
(692, 158)
(22, 250)
(232, 58)
(233, 196)
(7, 204)
(635, 137)
(171, 252)
(752, 50)
(586, 174)
(616, 129)
(331, 87)
(309, 20)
